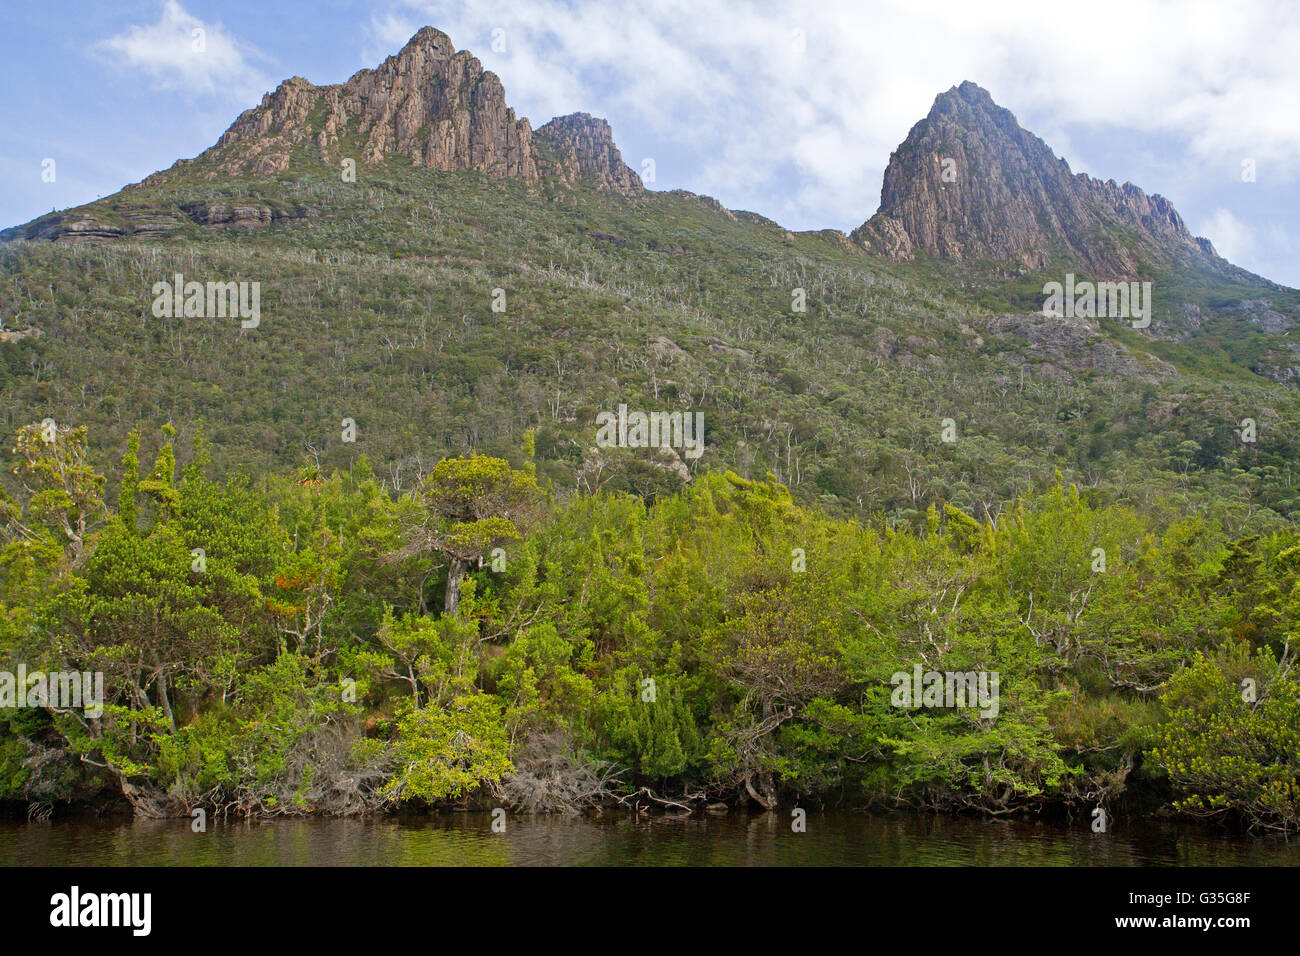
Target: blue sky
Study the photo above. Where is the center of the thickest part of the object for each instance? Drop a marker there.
(789, 109)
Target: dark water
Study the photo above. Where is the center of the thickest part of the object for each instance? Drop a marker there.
(832, 839)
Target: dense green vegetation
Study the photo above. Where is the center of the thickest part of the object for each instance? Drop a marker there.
(285, 645)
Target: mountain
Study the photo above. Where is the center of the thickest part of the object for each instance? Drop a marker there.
(970, 184)
(477, 280)
(428, 103)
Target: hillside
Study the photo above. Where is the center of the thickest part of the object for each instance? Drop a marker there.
(377, 304)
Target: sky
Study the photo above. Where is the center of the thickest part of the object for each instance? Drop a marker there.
(787, 109)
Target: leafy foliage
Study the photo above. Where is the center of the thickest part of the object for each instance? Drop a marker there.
(269, 647)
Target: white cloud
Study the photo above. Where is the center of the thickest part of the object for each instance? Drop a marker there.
(386, 35)
(182, 52)
(1232, 238)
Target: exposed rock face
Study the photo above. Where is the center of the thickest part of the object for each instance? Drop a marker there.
(15, 335)
(1059, 349)
(1260, 312)
(430, 104)
(969, 183)
(71, 227)
(221, 214)
(138, 223)
(581, 146)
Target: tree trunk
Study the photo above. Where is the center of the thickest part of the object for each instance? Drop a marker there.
(149, 801)
(455, 571)
(160, 676)
(767, 798)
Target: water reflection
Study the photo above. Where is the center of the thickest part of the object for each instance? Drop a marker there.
(734, 839)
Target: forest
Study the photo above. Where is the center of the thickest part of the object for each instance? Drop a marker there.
(318, 642)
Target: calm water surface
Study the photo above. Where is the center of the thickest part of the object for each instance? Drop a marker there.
(734, 839)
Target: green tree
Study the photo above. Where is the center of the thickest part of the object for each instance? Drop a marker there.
(1228, 751)
(466, 507)
(64, 493)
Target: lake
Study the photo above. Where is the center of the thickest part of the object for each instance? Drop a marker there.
(623, 839)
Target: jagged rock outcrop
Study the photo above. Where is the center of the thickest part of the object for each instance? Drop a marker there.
(970, 184)
(581, 147)
(429, 104)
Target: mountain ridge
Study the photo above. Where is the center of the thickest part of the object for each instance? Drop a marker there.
(1001, 197)
(429, 103)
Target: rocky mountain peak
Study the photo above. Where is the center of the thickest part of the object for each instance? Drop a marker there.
(581, 146)
(427, 103)
(430, 40)
(969, 183)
